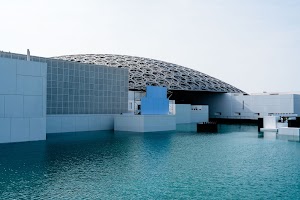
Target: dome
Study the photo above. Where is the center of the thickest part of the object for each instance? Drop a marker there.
(145, 71)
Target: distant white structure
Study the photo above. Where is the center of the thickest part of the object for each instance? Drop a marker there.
(240, 106)
(187, 113)
(278, 125)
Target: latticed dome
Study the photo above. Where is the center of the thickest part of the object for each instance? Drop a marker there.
(145, 71)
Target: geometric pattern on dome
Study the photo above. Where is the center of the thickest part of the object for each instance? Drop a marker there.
(145, 71)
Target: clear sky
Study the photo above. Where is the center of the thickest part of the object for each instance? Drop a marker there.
(251, 44)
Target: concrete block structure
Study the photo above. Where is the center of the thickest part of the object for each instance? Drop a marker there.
(77, 123)
(23, 90)
(241, 106)
(187, 113)
(44, 95)
(145, 123)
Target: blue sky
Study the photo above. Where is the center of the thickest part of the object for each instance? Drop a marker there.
(253, 45)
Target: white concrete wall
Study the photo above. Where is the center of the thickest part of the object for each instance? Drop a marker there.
(145, 123)
(270, 122)
(238, 106)
(22, 100)
(266, 104)
(76, 123)
(183, 113)
(187, 113)
(297, 104)
(199, 113)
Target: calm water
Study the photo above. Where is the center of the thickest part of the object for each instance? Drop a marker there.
(235, 164)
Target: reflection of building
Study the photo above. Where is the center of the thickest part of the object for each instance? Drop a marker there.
(85, 92)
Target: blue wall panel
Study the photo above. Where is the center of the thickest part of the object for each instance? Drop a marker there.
(156, 92)
(155, 102)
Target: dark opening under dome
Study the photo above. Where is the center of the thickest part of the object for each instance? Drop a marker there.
(145, 71)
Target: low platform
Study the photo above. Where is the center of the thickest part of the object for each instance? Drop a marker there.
(144, 123)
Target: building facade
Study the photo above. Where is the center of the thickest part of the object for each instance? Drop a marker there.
(77, 96)
(86, 92)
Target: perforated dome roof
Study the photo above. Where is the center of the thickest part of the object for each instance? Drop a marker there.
(145, 71)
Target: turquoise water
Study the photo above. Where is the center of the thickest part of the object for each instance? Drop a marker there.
(237, 163)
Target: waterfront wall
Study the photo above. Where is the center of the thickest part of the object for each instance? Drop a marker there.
(22, 100)
(183, 113)
(145, 123)
(187, 113)
(238, 106)
(76, 123)
(199, 113)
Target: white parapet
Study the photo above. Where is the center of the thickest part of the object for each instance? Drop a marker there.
(79, 122)
(289, 131)
(144, 123)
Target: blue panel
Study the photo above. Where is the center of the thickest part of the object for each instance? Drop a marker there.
(156, 92)
(155, 102)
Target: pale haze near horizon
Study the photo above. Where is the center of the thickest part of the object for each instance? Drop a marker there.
(252, 45)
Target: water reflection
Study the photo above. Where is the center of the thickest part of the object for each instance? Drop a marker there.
(291, 138)
(260, 135)
(271, 135)
(182, 164)
(225, 128)
(222, 128)
(21, 163)
(186, 127)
